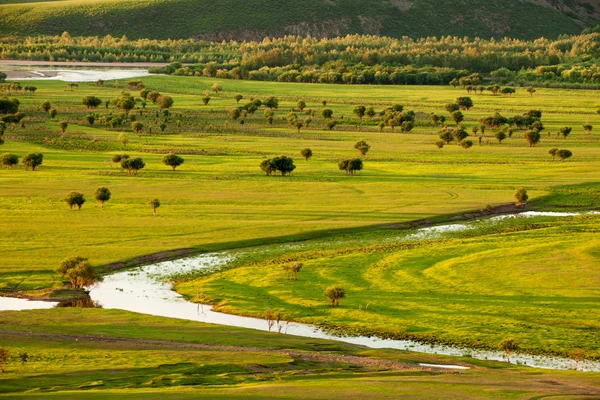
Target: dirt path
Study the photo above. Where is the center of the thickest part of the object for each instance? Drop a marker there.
(308, 355)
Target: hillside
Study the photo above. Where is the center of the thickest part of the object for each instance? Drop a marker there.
(253, 19)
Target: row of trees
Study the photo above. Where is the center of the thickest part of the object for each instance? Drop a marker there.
(30, 161)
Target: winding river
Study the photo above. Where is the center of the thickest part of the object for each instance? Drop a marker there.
(147, 290)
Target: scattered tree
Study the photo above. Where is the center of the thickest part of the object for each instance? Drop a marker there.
(532, 137)
(238, 97)
(306, 153)
(137, 127)
(172, 160)
(565, 131)
(359, 111)
(500, 136)
(164, 102)
(153, 96)
(4, 356)
(439, 144)
(531, 90)
(154, 204)
(91, 119)
(123, 139)
(508, 346)
(132, 165)
(205, 100)
(216, 88)
(350, 166)
(553, 152)
(52, 113)
(63, 126)
(465, 103)
(466, 144)
(327, 113)
(293, 269)
(457, 117)
(102, 194)
(271, 102)
(521, 196)
(46, 106)
(32, 160)
(75, 199)
(9, 160)
(564, 154)
(362, 147)
(588, 128)
(301, 105)
(79, 272)
(334, 294)
(91, 101)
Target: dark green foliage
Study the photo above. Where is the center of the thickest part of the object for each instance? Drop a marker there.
(532, 137)
(154, 204)
(334, 293)
(464, 103)
(9, 106)
(91, 101)
(9, 160)
(132, 165)
(564, 154)
(32, 160)
(363, 147)
(306, 153)
(565, 131)
(351, 165)
(164, 102)
(75, 199)
(102, 194)
(283, 164)
(172, 160)
(327, 113)
(521, 196)
(79, 271)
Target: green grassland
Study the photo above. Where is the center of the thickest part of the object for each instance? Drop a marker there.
(219, 199)
(163, 19)
(94, 353)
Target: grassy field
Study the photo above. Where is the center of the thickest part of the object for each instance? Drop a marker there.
(219, 198)
(255, 20)
(93, 353)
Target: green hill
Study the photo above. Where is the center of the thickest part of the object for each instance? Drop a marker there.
(255, 19)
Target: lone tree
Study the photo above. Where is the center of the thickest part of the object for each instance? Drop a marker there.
(123, 139)
(271, 102)
(564, 154)
(451, 107)
(79, 271)
(153, 96)
(172, 160)
(359, 111)
(102, 194)
(351, 165)
(52, 113)
(439, 144)
(500, 136)
(91, 101)
(46, 106)
(553, 152)
(464, 103)
(565, 131)
(32, 160)
(508, 346)
(63, 126)
(9, 160)
(132, 165)
(327, 113)
(293, 269)
(531, 90)
(137, 127)
(532, 137)
(588, 128)
(206, 100)
(362, 147)
(457, 117)
(4, 356)
(301, 105)
(154, 204)
(216, 88)
(235, 113)
(334, 294)
(466, 144)
(521, 196)
(306, 153)
(238, 97)
(91, 119)
(164, 102)
(283, 164)
(75, 199)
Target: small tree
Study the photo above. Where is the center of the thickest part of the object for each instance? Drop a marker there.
(79, 271)
(164, 102)
(102, 194)
(301, 105)
(235, 113)
(293, 269)
(500, 136)
(63, 126)
(32, 160)
(531, 90)
(132, 165)
(154, 204)
(464, 103)
(334, 294)
(238, 97)
(123, 139)
(205, 100)
(553, 152)
(331, 124)
(271, 102)
(327, 113)
(9, 160)
(451, 107)
(91, 101)
(565, 131)
(564, 154)
(137, 127)
(588, 128)
(457, 117)
(466, 144)
(439, 144)
(351, 166)
(75, 199)
(153, 96)
(216, 88)
(4, 356)
(46, 106)
(533, 138)
(359, 111)
(90, 119)
(508, 346)
(363, 147)
(306, 153)
(52, 113)
(172, 160)
(521, 196)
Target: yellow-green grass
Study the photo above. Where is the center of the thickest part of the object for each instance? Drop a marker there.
(95, 353)
(535, 281)
(222, 200)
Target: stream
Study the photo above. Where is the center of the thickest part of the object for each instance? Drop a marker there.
(147, 290)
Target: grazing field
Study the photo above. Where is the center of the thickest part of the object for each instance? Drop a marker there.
(94, 353)
(220, 199)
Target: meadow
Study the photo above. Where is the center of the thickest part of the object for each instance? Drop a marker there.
(533, 280)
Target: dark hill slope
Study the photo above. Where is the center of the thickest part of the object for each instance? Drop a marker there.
(254, 19)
